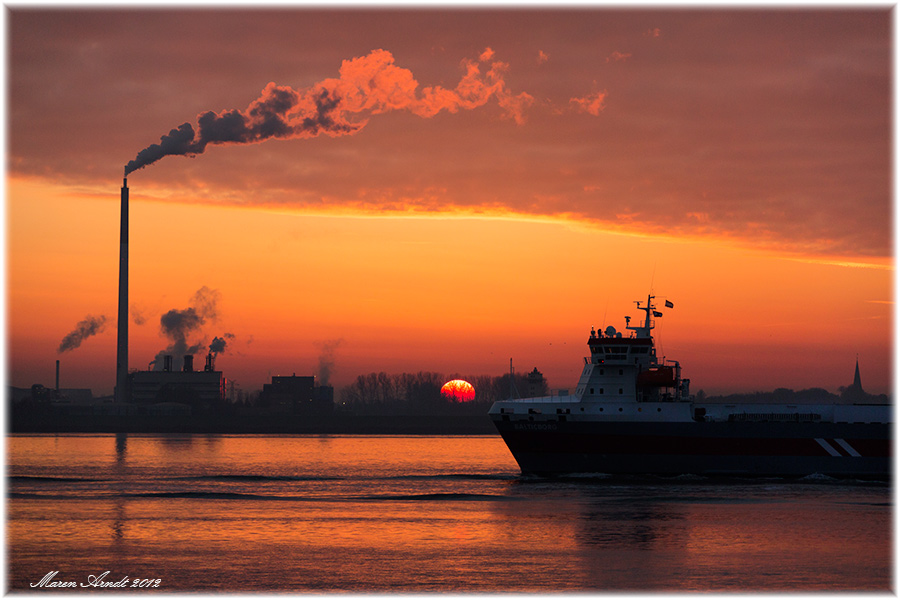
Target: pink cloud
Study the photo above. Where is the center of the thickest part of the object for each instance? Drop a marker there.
(591, 104)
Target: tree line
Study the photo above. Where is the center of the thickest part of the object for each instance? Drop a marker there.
(420, 393)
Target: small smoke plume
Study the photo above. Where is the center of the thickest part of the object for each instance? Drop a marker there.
(177, 325)
(367, 85)
(326, 359)
(84, 329)
(218, 344)
(137, 316)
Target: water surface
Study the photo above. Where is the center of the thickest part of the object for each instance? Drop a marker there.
(418, 513)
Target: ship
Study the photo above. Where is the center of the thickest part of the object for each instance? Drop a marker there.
(632, 413)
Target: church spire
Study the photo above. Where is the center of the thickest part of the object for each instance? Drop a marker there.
(857, 383)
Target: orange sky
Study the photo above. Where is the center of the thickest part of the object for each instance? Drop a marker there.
(452, 189)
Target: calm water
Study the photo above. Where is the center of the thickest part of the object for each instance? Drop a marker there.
(418, 513)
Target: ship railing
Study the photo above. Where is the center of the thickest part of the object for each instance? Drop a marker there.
(796, 417)
(545, 399)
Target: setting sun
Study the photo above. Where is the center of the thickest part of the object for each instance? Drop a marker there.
(458, 390)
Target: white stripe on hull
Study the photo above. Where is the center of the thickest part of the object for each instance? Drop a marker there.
(850, 450)
(828, 447)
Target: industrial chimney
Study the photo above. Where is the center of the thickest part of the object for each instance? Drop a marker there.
(57, 377)
(122, 343)
(188, 363)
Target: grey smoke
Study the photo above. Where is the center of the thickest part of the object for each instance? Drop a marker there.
(179, 324)
(218, 344)
(178, 141)
(137, 316)
(84, 329)
(326, 359)
(265, 118)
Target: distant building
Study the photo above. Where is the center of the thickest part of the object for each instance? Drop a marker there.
(536, 385)
(297, 395)
(854, 392)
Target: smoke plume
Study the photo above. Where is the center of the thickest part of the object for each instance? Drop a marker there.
(84, 329)
(326, 359)
(367, 85)
(137, 315)
(177, 325)
(218, 344)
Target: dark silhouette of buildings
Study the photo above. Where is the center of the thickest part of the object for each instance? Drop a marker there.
(854, 392)
(297, 396)
(536, 385)
(202, 390)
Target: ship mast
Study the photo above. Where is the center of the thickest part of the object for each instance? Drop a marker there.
(643, 331)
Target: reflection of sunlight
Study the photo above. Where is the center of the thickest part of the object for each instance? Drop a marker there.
(119, 520)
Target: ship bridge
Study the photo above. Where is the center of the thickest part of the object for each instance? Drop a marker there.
(621, 350)
(626, 369)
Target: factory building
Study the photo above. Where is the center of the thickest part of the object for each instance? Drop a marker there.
(297, 395)
(201, 390)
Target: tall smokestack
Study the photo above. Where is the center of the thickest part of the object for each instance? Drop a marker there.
(122, 345)
(57, 376)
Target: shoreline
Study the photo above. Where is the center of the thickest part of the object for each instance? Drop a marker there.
(233, 424)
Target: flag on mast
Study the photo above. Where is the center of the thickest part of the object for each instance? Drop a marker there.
(669, 304)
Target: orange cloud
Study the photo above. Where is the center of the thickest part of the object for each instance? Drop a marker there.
(617, 56)
(591, 104)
